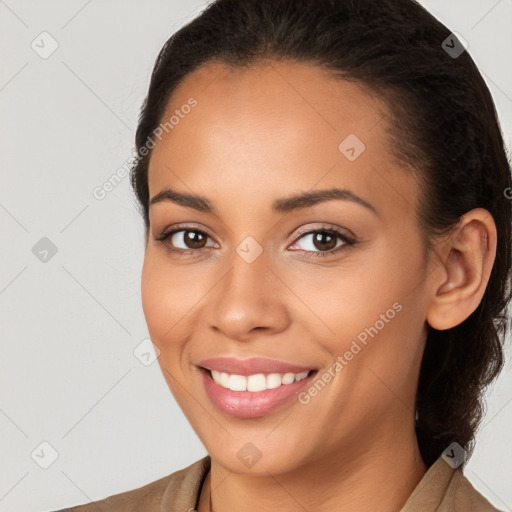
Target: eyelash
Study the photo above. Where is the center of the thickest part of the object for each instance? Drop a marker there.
(348, 241)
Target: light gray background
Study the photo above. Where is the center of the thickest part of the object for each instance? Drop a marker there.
(68, 375)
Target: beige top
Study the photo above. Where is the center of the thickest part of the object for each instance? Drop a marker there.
(442, 489)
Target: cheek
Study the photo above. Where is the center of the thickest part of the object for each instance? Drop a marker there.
(163, 301)
(351, 298)
(372, 314)
(170, 297)
(163, 307)
(385, 318)
(152, 293)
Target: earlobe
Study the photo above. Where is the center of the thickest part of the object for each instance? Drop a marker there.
(466, 270)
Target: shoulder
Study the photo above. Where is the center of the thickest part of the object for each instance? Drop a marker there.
(465, 498)
(178, 490)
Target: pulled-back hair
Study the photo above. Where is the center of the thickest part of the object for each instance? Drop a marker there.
(444, 129)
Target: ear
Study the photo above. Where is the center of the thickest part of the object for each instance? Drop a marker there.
(462, 271)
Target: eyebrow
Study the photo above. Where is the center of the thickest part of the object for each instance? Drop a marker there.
(284, 205)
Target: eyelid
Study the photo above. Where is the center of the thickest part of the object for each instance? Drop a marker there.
(182, 227)
(325, 227)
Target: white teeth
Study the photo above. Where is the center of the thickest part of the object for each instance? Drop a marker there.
(256, 382)
(300, 376)
(273, 380)
(237, 382)
(224, 379)
(288, 378)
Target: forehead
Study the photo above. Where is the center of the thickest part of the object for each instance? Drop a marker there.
(272, 128)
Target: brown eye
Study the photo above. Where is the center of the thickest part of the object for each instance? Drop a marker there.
(194, 239)
(185, 240)
(323, 242)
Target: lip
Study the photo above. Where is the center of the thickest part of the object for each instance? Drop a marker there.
(249, 404)
(235, 366)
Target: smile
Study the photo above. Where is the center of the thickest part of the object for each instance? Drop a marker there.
(252, 388)
(256, 382)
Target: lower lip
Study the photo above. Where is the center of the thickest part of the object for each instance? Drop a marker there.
(249, 404)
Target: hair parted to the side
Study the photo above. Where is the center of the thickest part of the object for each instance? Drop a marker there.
(445, 130)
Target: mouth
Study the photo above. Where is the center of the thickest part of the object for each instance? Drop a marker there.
(253, 395)
(256, 382)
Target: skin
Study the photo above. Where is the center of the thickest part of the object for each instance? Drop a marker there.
(272, 131)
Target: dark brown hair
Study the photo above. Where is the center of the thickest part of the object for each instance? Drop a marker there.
(444, 127)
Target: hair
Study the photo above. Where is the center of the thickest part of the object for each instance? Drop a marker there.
(444, 129)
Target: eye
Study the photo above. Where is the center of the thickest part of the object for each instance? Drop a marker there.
(185, 241)
(324, 242)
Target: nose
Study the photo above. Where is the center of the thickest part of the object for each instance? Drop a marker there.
(249, 300)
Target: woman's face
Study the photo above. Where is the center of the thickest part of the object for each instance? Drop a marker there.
(260, 273)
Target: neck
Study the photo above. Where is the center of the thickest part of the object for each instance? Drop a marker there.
(381, 477)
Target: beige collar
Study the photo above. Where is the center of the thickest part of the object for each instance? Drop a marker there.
(434, 492)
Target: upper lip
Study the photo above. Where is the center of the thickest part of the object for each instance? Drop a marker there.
(251, 366)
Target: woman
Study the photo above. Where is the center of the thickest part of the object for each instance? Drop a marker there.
(328, 252)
